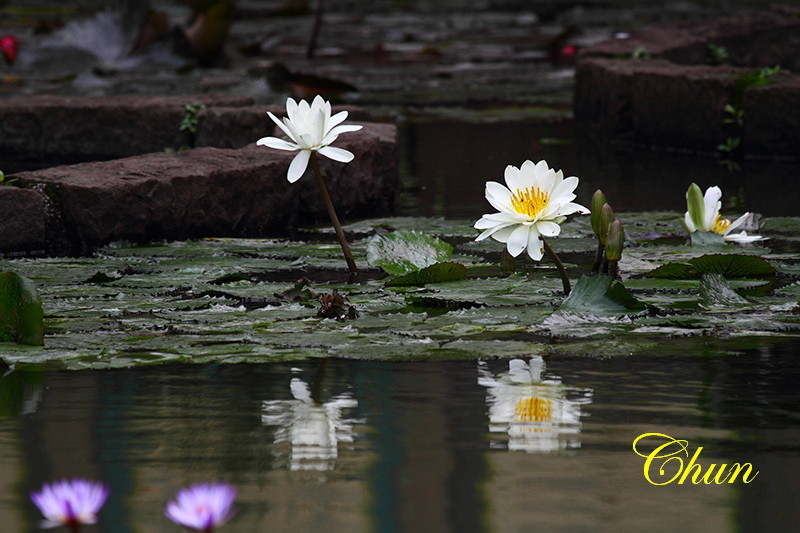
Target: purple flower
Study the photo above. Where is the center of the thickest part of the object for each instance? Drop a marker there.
(202, 507)
(70, 503)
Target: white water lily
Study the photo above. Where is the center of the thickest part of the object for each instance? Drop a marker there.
(310, 128)
(532, 204)
(703, 215)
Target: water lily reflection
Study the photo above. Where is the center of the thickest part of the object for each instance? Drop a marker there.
(537, 414)
(313, 429)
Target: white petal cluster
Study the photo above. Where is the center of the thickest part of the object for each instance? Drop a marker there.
(310, 128)
(534, 201)
(715, 223)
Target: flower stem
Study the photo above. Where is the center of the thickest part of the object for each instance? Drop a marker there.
(599, 255)
(559, 265)
(351, 264)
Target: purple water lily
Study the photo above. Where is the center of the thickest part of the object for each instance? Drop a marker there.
(70, 502)
(202, 507)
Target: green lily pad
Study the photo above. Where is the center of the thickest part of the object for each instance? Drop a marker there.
(706, 238)
(436, 273)
(716, 291)
(402, 252)
(727, 265)
(21, 315)
(600, 294)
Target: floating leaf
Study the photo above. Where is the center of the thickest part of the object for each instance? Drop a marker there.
(402, 252)
(600, 294)
(706, 238)
(716, 291)
(21, 312)
(231, 278)
(446, 271)
(727, 265)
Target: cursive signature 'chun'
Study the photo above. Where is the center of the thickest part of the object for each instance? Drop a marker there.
(665, 465)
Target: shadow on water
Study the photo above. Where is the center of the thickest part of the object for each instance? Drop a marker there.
(415, 446)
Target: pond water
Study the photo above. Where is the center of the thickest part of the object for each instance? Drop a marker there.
(360, 446)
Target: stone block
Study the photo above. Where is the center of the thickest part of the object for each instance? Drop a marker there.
(65, 129)
(22, 221)
(772, 118)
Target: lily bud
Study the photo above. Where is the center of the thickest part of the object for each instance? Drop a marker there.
(598, 199)
(606, 218)
(615, 240)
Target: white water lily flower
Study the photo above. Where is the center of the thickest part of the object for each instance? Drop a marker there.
(704, 216)
(310, 128)
(536, 200)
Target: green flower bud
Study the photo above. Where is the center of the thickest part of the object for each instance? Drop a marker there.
(598, 199)
(615, 240)
(695, 205)
(606, 218)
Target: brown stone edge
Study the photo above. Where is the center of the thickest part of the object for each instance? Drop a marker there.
(674, 102)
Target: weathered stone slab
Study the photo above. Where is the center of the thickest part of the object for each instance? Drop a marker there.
(213, 192)
(22, 221)
(681, 106)
(677, 99)
(772, 118)
(64, 129)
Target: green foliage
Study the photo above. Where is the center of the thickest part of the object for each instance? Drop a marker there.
(706, 238)
(190, 120)
(756, 79)
(736, 115)
(730, 145)
(640, 52)
(401, 252)
(21, 315)
(436, 273)
(717, 54)
(600, 294)
(3, 179)
(727, 265)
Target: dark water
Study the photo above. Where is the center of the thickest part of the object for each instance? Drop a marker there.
(440, 446)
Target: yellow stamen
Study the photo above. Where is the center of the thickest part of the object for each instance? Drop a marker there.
(530, 201)
(720, 225)
(533, 409)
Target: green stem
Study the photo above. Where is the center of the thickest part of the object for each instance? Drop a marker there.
(351, 264)
(598, 257)
(559, 265)
(613, 269)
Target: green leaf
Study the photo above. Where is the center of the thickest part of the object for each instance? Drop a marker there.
(402, 252)
(727, 265)
(21, 315)
(439, 272)
(716, 291)
(600, 294)
(706, 238)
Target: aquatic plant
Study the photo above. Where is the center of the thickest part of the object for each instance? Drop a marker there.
(202, 507)
(312, 129)
(703, 215)
(70, 503)
(531, 206)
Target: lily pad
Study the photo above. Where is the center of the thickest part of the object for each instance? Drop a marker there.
(436, 273)
(716, 291)
(600, 294)
(402, 252)
(21, 315)
(707, 238)
(727, 265)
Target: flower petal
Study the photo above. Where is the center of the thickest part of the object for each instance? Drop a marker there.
(687, 221)
(548, 228)
(518, 240)
(513, 178)
(279, 144)
(493, 231)
(298, 166)
(565, 188)
(535, 245)
(736, 223)
(711, 204)
(337, 154)
(743, 237)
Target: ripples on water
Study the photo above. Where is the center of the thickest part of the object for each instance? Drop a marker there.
(417, 446)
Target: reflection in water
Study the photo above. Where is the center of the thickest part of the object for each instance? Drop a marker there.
(313, 429)
(534, 412)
